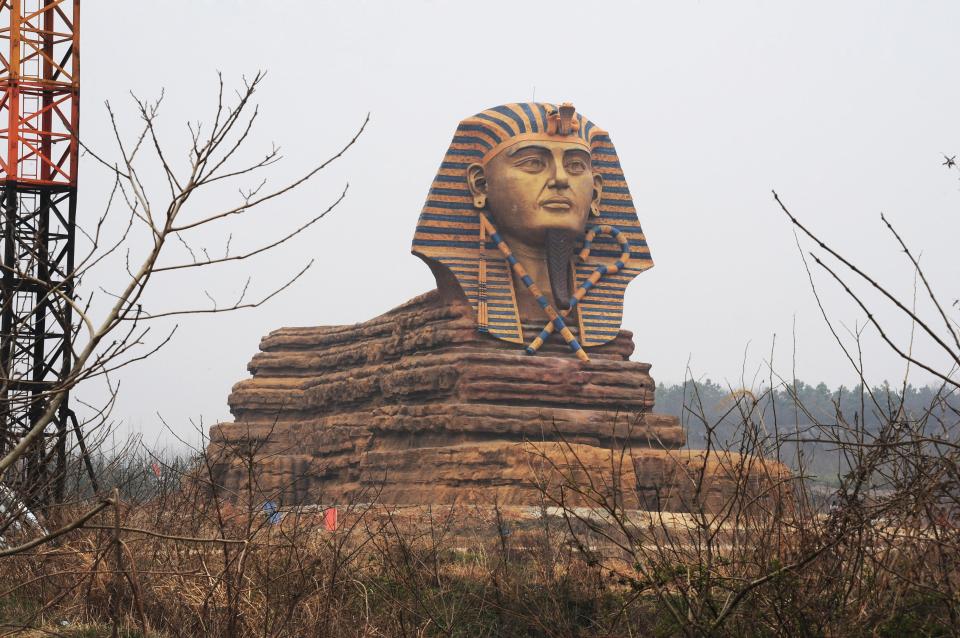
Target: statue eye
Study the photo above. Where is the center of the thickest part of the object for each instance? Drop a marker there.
(531, 164)
(576, 166)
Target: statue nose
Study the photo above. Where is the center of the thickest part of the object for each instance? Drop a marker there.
(559, 179)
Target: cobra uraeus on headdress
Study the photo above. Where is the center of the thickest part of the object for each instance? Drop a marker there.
(449, 231)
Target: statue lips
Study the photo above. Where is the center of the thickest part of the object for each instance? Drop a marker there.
(559, 204)
(560, 247)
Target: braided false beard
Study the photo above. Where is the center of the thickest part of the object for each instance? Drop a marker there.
(560, 247)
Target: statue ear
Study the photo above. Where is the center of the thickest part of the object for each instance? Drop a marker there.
(477, 182)
(597, 193)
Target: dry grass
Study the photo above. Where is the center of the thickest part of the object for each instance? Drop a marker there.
(193, 564)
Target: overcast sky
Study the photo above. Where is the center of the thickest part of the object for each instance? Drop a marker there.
(845, 108)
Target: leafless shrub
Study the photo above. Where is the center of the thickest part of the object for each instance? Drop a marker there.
(115, 332)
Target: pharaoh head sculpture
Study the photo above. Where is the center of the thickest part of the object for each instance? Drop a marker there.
(531, 215)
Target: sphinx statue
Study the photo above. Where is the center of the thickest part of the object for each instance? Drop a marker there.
(532, 236)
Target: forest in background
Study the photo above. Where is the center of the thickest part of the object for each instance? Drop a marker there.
(801, 407)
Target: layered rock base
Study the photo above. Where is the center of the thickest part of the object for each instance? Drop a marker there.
(416, 407)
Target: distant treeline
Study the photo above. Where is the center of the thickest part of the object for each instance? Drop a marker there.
(790, 409)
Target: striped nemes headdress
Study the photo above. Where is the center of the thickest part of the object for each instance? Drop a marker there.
(448, 231)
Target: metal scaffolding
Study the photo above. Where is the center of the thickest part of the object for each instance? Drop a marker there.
(40, 116)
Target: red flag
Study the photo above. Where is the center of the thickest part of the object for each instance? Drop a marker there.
(330, 519)
(156, 468)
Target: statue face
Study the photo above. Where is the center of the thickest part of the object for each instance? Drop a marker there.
(536, 186)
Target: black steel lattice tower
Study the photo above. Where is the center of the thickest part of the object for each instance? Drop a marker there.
(39, 113)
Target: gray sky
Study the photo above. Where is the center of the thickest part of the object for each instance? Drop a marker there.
(843, 108)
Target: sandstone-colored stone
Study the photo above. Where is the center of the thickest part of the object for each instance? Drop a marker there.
(416, 407)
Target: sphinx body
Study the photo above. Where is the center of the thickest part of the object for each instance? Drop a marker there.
(531, 232)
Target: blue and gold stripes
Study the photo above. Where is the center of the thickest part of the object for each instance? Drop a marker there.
(449, 228)
(592, 281)
(556, 321)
